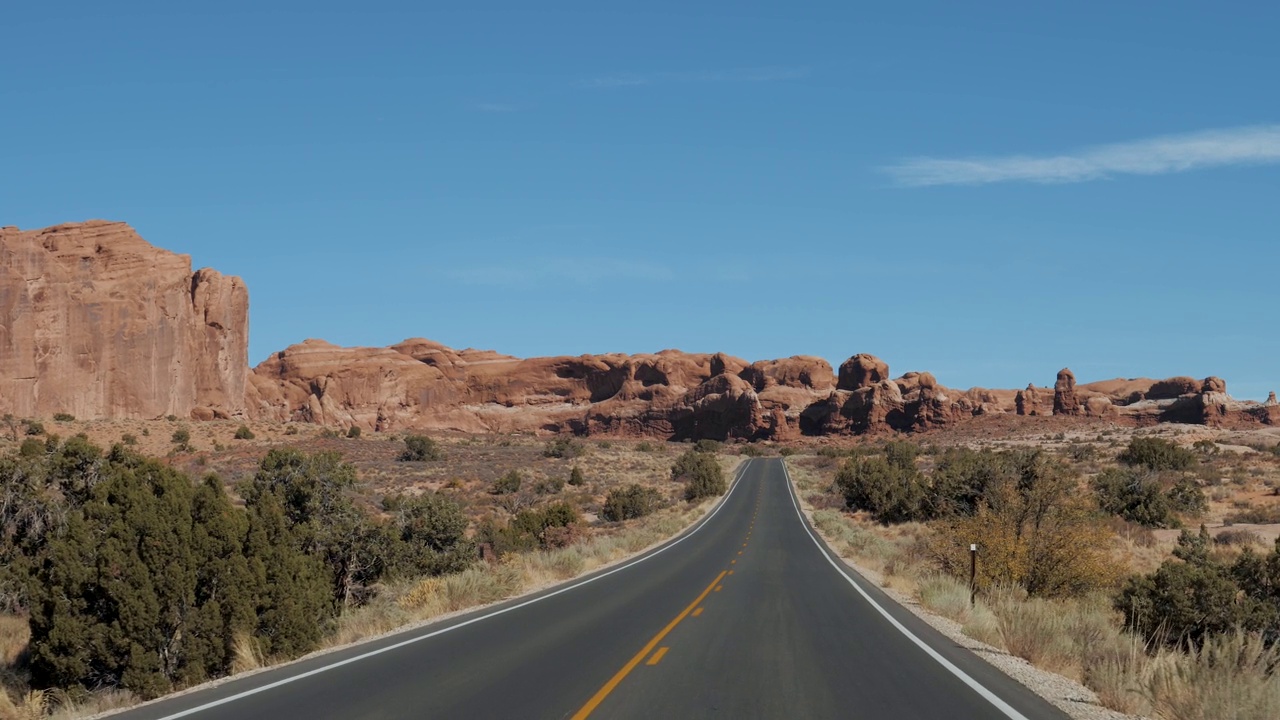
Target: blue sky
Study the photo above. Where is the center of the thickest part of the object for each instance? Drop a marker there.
(987, 194)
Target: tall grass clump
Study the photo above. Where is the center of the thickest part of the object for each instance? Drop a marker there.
(1228, 676)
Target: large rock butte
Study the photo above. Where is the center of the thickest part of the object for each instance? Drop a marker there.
(96, 322)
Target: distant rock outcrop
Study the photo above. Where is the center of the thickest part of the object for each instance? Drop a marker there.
(862, 371)
(1065, 401)
(1027, 401)
(96, 322)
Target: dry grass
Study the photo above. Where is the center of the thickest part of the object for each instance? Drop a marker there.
(32, 706)
(248, 653)
(1231, 676)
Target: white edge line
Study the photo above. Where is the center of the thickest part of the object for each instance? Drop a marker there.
(292, 678)
(977, 687)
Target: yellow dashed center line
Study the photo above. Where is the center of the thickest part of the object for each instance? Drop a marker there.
(657, 657)
(618, 677)
(719, 588)
(698, 612)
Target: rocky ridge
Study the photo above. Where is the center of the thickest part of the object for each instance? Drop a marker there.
(97, 323)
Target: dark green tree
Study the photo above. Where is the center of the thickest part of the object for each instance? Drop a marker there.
(116, 593)
(293, 606)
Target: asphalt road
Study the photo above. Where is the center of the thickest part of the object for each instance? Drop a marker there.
(745, 616)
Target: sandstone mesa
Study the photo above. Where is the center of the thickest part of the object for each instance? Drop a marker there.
(96, 322)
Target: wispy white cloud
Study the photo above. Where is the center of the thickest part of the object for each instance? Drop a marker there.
(578, 271)
(495, 107)
(1255, 145)
(741, 75)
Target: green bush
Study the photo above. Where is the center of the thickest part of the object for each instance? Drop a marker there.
(418, 448)
(708, 446)
(549, 486)
(508, 483)
(243, 433)
(431, 535)
(63, 417)
(129, 439)
(31, 448)
(532, 528)
(1147, 498)
(1157, 454)
(629, 502)
(576, 478)
(1195, 596)
(564, 448)
(353, 432)
(701, 473)
(181, 436)
(887, 490)
(35, 427)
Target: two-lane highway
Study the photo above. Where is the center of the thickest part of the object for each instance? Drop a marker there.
(745, 616)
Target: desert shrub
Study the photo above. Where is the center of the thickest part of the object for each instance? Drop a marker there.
(1148, 498)
(701, 473)
(243, 433)
(1259, 515)
(1206, 447)
(787, 451)
(901, 453)
(315, 491)
(1156, 454)
(508, 483)
(181, 436)
(532, 528)
(889, 491)
(1081, 452)
(63, 417)
(752, 451)
(418, 448)
(549, 486)
(960, 480)
(34, 427)
(31, 448)
(1238, 537)
(1033, 532)
(1194, 596)
(629, 502)
(353, 432)
(564, 448)
(708, 446)
(644, 446)
(129, 439)
(291, 430)
(430, 535)
(576, 477)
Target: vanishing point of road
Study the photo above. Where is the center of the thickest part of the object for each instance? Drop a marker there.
(745, 615)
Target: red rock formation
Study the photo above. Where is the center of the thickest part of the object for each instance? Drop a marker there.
(1028, 401)
(1171, 388)
(100, 324)
(862, 371)
(1065, 401)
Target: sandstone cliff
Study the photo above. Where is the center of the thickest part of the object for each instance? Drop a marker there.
(96, 322)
